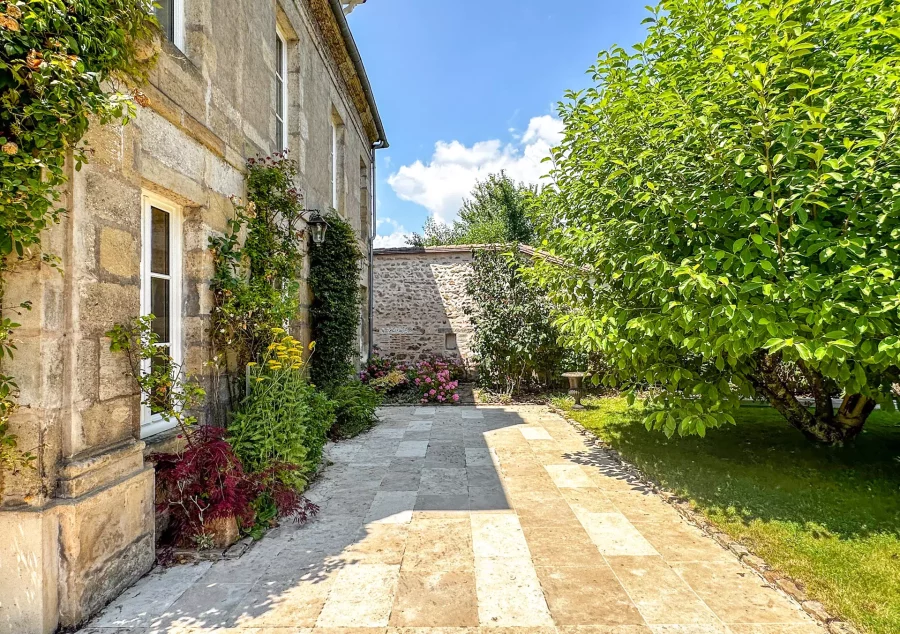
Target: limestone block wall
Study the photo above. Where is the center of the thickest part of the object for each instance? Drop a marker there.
(420, 302)
(79, 528)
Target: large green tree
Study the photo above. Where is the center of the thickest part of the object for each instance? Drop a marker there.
(730, 193)
(496, 212)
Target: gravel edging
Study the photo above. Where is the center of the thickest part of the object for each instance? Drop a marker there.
(773, 578)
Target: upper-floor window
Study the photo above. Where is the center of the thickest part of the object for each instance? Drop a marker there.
(170, 14)
(281, 96)
(337, 163)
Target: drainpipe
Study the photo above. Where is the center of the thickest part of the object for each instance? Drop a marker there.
(373, 230)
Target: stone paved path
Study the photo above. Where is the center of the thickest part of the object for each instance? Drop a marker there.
(466, 517)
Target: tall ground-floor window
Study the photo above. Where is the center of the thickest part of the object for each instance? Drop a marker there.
(161, 271)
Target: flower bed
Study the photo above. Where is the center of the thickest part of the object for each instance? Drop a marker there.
(435, 380)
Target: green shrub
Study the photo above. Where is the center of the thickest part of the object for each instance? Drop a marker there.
(728, 192)
(334, 274)
(283, 419)
(355, 405)
(515, 340)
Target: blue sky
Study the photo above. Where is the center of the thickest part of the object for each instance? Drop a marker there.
(469, 87)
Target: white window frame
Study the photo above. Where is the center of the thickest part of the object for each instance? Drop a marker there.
(335, 151)
(283, 88)
(154, 424)
(178, 24)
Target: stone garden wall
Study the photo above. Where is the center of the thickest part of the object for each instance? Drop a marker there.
(420, 301)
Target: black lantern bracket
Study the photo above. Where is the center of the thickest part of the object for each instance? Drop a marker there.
(317, 224)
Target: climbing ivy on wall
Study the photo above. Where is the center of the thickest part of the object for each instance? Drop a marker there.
(63, 64)
(335, 268)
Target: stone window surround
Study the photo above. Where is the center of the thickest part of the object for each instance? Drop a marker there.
(152, 425)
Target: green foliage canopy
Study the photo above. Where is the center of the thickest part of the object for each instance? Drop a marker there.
(497, 212)
(731, 190)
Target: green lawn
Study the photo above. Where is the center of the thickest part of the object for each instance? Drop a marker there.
(829, 518)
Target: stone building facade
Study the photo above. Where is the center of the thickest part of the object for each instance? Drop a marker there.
(235, 79)
(420, 302)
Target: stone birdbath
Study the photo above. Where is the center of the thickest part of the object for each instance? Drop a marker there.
(575, 387)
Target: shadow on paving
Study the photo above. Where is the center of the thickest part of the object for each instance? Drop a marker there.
(436, 466)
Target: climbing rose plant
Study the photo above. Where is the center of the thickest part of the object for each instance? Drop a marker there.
(729, 196)
(63, 64)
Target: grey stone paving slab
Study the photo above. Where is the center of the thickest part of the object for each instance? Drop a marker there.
(471, 520)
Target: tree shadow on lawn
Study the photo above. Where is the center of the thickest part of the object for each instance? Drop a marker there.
(763, 469)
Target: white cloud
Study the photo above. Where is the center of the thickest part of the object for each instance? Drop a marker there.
(397, 238)
(441, 185)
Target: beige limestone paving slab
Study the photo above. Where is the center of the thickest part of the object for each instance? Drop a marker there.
(283, 603)
(489, 499)
(420, 425)
(545, 513)
(412, 449)
(498, 535)
(737, 595)
(378, 544)
(439, 544)
(614, 535)
(204, 604)
(678, 541)
(509, 593)
(443, 481)
(640, 506)
(435, 599)
(588, 595)
(660, 595)
(535, 433)
(779, 628)
(392, 507)
(424, 411)
(150, 597)
(670, 628)
(480, 457)
(562, 545)
(604, 629)
(361, 596)
(570, 476)
(588, 501)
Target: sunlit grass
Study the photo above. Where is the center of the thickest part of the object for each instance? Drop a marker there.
(828, 517)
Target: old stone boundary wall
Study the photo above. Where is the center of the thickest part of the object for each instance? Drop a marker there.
(420, 302)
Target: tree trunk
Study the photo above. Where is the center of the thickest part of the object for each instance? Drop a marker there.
(822, 425)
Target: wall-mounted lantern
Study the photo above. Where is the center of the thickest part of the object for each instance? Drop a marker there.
(317, 225)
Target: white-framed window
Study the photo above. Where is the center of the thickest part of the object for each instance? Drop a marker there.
(161, 277)
(335, 135)
(281, 91)
(170, 14)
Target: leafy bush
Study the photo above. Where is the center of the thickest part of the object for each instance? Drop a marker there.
(727, 192)
(208, 482)
(335, 267)
(515, 341)
(283, 419)
(355, 405)
(259, 263)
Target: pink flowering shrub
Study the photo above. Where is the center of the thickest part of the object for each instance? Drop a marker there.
(435, 382)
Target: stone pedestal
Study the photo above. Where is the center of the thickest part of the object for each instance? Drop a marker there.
(63, 561)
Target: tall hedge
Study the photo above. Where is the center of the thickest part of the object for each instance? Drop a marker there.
(335, 269)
